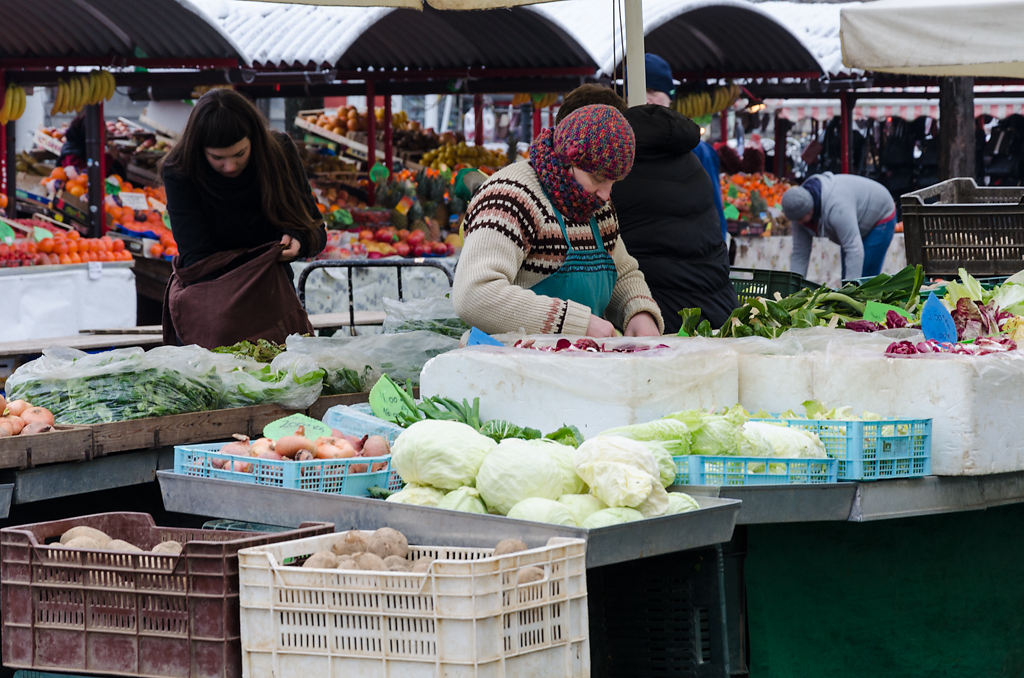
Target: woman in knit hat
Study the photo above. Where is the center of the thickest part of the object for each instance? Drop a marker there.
(855, 212)
(542, 251)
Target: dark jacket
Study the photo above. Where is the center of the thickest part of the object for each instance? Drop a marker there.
(668, 219)
(232, 218)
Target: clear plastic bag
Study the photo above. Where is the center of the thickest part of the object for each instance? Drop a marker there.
(354, 364)
(434, 314)
(129, 383)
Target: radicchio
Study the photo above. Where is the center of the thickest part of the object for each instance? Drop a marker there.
(863, 326)
(585, 344)
(981, 346)
(894, 320)
(974, 319)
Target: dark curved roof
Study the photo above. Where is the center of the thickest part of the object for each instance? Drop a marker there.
(729, 40)
(500, 39)
(108, 31)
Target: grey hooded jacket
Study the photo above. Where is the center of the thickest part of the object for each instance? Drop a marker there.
(851, 206)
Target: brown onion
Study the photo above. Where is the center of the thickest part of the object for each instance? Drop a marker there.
(288, 446)
(37, 414)
(16, 407)
(35, 427)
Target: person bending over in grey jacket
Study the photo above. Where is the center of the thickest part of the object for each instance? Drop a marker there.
(852, 211)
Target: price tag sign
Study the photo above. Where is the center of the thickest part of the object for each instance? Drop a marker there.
(731, 212)
(404, 205)
(134, 200)
(732, 191)
(39, 233)
(875, 312)
(478, 337)
(6, 234)
(936, 322)
(287, 426)
(386, 401)
(157, 205)
(95, 270)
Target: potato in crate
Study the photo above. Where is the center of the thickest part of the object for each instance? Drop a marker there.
(309, 608)
(112, 593)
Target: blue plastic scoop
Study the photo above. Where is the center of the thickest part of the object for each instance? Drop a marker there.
(936, 322)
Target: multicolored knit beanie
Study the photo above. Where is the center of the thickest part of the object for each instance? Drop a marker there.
(597, 139)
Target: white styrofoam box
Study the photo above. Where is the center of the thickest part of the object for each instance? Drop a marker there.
(975, 402)
(58, 301)
(593, 391)
(466, 617)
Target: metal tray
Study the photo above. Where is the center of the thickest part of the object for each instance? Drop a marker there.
(713, 523)
(783, 503)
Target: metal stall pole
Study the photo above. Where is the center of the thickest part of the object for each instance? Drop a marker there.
(95, 148)
(478, 119)
(371, 138)
(389, 151)
(845, 101)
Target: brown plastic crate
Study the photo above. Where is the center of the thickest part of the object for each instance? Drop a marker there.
(128, 614)
(957, 224)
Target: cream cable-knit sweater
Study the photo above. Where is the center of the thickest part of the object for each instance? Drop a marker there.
(513, 241)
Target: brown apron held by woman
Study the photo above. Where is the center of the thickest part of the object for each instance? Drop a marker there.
(231, 296)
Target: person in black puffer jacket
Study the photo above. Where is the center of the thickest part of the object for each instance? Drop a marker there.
(669, 221)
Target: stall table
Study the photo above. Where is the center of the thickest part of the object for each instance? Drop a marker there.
(825, 265)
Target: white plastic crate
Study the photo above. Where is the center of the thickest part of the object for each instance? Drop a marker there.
(465, 618)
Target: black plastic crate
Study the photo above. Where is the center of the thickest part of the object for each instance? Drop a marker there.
(957, 224)
(658, 617)
(754, 282)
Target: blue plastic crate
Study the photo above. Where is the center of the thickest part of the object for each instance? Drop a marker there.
(332, 476)
(873, 450)
(696, 469)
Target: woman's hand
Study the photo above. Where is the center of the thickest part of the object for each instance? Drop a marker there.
(642, 325)
(289, 248)
(599, 327)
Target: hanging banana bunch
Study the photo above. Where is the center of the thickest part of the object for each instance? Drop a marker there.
(13, 104)
(83, 90)
(701, 104)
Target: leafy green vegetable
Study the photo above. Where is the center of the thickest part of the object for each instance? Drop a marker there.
(449, 327)
(567, 435)
(498, 429)
(809, 307)
(262, 351)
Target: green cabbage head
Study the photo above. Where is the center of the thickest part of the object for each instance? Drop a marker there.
(611, 516)
(443, 454)
(542, 511)
(463, 499)
(420, 495)
(518, 469)
(581, 505)
(680, 502)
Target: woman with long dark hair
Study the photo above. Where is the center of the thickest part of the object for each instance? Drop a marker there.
(241, 209)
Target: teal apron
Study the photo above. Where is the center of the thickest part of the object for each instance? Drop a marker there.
(586, 277)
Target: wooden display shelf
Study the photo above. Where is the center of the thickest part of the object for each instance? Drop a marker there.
(65, 443)
(181, 429)
(352, 147)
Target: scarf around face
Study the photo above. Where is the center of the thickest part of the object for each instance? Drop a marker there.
(556, 177)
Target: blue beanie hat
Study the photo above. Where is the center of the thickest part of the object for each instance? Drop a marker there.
(658, 74)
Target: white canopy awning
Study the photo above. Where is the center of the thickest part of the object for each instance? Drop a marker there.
(935, 37)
